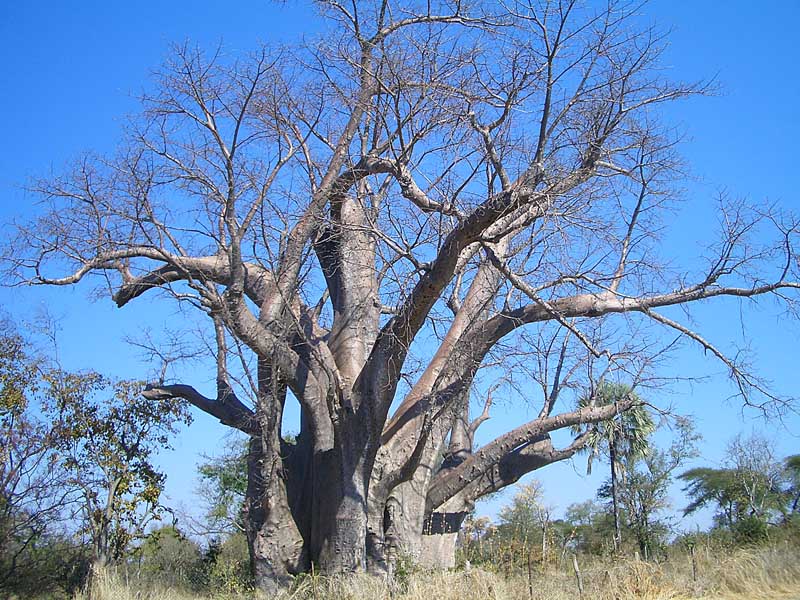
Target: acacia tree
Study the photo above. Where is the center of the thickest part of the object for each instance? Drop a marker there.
(792, 470)
(395, 212)
(748, 488)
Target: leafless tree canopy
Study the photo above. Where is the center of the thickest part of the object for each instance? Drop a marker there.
(431, 200)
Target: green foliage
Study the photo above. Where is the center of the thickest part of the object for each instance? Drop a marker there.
(36, 552)
(105, 434)
(50, 563)
(587, 528)
(707, 486)
(627, 433)
(223, 483)
(623, 438)
(169, 558)
(524, 529)
(526, 516)
(792, 472)
(76, 465)
(227, 566)
(793, 465)
(750, 530)
(17, 372)
(520, 534)
(751, 487)
(473, 533)
(643, 491)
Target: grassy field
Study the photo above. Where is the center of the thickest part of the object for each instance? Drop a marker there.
(760, 574)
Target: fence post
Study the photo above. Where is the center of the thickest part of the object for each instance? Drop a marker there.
(577, 574)
(530, 576)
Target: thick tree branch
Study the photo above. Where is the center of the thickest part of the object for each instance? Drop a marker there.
(226, 407)
(451, 482)
(209, 268)
(517, 464)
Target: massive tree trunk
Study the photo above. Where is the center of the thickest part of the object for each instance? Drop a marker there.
(342, 520)
(276, 545)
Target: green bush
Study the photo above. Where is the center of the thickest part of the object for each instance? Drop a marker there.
(750, 531)
(169, 558)
(227, 566)
(50, 566)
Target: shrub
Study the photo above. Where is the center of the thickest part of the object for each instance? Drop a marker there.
(750, 531)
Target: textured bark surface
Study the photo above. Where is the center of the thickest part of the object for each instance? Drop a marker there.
(438, 551)
(432, 206)
(276, 546)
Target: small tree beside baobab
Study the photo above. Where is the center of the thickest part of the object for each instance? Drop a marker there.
(385, 221)
(77, 472)
(623, 438)
(106, 434)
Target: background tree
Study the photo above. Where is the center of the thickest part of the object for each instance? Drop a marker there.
(526, 519)
(708, 486)
(624, 438)
(747, 493)
(37, 552)
(792, 465)
(371, 219)
(167, 557)
(587, 527)
(759, 475)
(223, 487)
(226, 565)
(643, 492)
(105, 435)
(472, 535)
(77, 455)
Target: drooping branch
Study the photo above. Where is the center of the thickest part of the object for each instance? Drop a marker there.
(227, 407)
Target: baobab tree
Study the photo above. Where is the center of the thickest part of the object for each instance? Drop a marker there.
(428, 199)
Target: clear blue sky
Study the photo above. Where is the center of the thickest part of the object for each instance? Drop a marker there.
(69, 71)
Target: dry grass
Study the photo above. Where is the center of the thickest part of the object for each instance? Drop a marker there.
(772, 573)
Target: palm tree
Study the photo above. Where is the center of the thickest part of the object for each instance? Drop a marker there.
(623, 437)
